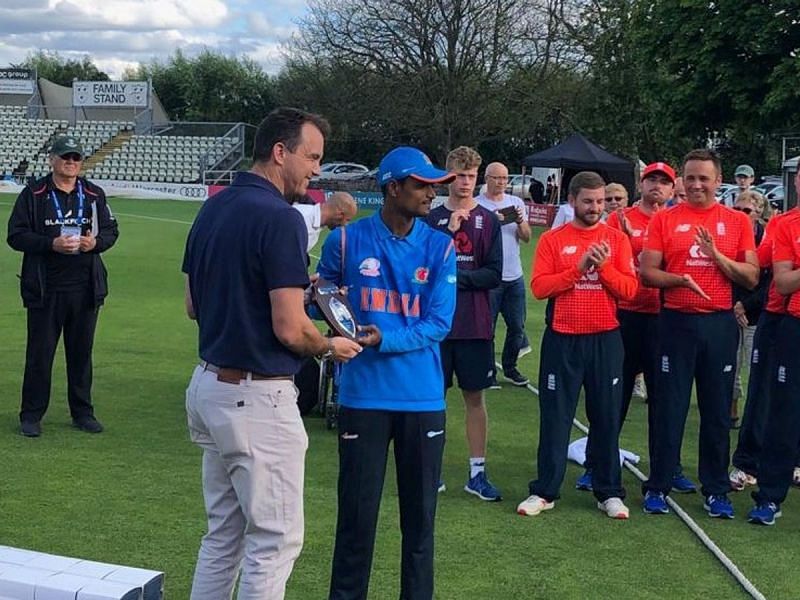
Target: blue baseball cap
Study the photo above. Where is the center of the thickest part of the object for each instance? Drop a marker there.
(405, 161)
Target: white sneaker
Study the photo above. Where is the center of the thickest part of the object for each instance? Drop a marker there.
(639, 388)
(523, 351)
(796, 477)
(739, 479)
(533, 505)
(614, 508)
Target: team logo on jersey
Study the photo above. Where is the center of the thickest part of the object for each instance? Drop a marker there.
(636, 233)
(683, 228)
(569, 250)
(463, 243)
(720, 228)
(452, 279)
(443, 221)
(421, 275)
(591, 275)
(370, 267)
(479, 222)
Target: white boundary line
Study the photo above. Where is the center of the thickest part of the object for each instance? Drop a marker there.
(729, 565)
(163, 219)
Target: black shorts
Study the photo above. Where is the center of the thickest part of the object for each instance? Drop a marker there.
(471, 360)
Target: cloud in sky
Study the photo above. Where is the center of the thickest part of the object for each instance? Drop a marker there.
(118, 34)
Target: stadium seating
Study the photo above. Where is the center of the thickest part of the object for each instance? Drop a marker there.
(112, 150)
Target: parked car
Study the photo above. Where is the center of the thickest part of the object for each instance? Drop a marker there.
(766, 187)
(775, 197)
(518, 185)
(340, 170)
(725, 190)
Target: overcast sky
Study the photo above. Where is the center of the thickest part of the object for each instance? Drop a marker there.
(121, 33)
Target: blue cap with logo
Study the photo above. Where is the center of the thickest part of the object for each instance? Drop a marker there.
(405, 161)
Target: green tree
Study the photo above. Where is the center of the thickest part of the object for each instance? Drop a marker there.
(58, 69)
(211, 87)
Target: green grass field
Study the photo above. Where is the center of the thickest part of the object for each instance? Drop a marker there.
(132, 495)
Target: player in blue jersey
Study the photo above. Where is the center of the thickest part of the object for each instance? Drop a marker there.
(401, 280)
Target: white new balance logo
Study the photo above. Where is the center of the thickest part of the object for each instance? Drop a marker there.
(433, 434)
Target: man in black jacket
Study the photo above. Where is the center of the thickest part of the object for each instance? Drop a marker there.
(61, 223)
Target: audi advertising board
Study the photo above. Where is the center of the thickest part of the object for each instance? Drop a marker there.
(177, 191)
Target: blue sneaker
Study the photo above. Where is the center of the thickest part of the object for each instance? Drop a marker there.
(584, 482)
(655, 503)
(482, 488)
(682, 484)
(764, 513)
(719, 507)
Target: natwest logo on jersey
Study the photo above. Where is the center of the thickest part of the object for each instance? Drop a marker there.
(697, 258)
(589, 280)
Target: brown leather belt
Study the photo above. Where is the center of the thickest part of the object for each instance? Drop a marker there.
(232, 375)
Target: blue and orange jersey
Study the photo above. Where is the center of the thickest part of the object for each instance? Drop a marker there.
(672, 233)
(582, 303)
(407, 287)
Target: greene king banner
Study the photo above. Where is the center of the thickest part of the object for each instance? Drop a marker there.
(110, 93)
(16, 81)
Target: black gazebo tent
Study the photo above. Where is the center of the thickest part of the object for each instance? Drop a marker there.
(577, 153)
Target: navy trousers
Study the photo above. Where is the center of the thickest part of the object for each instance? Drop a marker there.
(700, 349)
(567, 363)
(762, 371)
(364, 437)
(75, 315)
(782, 431)
(640, 342)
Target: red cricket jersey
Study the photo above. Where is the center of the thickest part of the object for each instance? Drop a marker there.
(787, 247)
(775, 302)
(672, 233)
(582, 303)
(647, 299)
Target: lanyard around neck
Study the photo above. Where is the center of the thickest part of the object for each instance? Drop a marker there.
(57, 205)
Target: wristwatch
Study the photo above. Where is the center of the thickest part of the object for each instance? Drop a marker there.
(329, 352)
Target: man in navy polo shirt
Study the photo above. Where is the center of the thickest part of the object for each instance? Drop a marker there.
(246, 268)
(401, 278)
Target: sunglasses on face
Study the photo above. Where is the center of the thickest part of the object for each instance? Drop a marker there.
(745, 209)
(617, 198)
(73, 156)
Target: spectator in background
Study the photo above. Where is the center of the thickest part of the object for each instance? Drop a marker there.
(339, 209)
(536, 191)
(747, 303)
(678, 194)
(565, 214)
(616, 198)
(61, 223)
(509, 297)
(744, 176)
